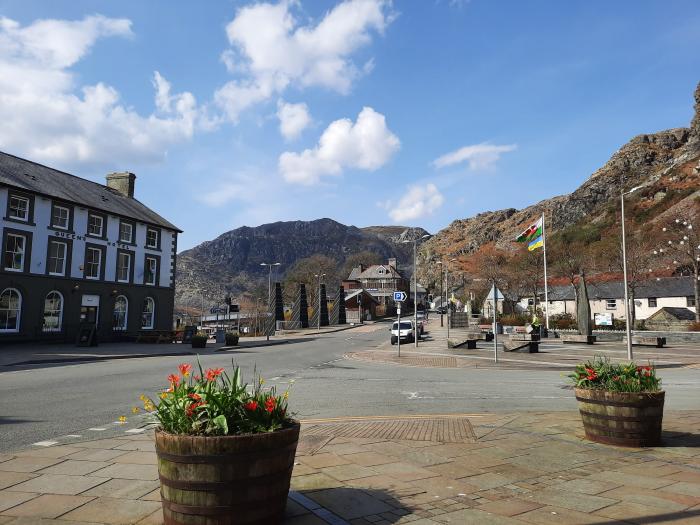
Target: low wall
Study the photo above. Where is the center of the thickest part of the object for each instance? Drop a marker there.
(617, 335)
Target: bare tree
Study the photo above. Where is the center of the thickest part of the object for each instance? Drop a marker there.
(305, 271)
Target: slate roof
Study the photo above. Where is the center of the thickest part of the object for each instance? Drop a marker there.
(664, 287)
(372, 272)
(365, 293)
(682, 314)
(36, 178)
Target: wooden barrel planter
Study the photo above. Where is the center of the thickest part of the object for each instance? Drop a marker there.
(225, 480)
(628, 419)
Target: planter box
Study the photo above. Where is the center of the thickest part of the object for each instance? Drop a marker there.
(221, 480)
(628, 419)
(199, 343)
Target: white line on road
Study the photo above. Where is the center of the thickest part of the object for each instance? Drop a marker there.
(45, 443)
(74, 436)
(135, 430)
(97, 429)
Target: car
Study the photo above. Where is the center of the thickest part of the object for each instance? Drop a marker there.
(406, 332)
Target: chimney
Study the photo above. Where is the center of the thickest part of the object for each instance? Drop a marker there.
(392, 263)
(122, 183)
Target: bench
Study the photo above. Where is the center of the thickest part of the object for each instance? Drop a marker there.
(578, 338)
(646, 340)
(469, 340)
(521, 344)
(155, 336)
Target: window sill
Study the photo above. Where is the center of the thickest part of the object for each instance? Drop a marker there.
(14, 270)
(20, 221)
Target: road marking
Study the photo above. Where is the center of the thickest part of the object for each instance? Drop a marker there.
(74, 436)
(97, 429)
(135, 430)
(45, 443)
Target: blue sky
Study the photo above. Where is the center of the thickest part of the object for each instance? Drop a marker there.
(366, 111)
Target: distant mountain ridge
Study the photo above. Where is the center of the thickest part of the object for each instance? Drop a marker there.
(231, 262)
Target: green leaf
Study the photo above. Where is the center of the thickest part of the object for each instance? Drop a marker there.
(220, 423)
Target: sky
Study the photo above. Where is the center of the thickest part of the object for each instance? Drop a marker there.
(369, 112)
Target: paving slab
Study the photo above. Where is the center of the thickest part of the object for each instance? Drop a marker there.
(113, 511)
(58, 484)
(11, 499)
(48, 506)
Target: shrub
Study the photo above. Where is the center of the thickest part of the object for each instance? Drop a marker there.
(514, 320)
(199, 340)
(600, 374)
(694, 327)
(563, 321)
(214, 404)
(231, 338)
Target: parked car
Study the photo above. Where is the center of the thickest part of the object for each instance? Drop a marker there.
(406, 332)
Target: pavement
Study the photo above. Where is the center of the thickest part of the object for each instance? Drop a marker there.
(481, 469)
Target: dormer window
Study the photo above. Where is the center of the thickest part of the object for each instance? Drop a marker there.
(380, 271)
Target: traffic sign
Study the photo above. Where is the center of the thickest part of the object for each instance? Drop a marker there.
(216, 310)
(399, 296)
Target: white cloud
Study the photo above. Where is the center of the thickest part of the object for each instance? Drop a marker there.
(272, 50)
(419, 201)
(479, 156)
(294, 118)
(367, 144)
(46, 117)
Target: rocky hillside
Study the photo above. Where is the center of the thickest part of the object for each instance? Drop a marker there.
(231, 262)
(665, 164)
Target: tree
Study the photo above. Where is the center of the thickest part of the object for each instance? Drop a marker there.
(365, 258)
(305, 271)
(491, 265)
(682, 249)
(525, 272)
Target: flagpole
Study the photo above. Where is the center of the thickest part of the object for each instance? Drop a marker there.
(546, 293)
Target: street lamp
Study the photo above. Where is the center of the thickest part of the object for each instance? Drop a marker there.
(415, 289)
(269, 287)
(442, 304)
(449, 303)
(628, 329)
(318, 324)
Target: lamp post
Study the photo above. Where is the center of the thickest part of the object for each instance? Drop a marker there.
(415, 289)
(318, 323)
(269, 287)
(628, 328)
(442, 304)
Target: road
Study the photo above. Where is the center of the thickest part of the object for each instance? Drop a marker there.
(53, 401)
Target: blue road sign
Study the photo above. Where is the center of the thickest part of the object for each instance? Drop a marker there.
(399, 296)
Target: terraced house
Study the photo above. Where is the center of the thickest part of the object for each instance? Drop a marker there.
(76, 253)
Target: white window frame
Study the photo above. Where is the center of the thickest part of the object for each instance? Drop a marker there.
(147, 269)
(53, 217)
(654, 299)
(6, 330)
(131, 232)
(609, 302)
(60, 312)
(122, 327)
(157, 232)
(26, 209)
(99, 263)
(23, 252)
(102, 225)
(145, 312)
(65, 257)
(120, 267)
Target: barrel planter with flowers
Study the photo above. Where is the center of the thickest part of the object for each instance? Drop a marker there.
(620, 404)
(225, 454)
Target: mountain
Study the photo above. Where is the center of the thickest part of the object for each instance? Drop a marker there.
(231, 262)
(666, 165)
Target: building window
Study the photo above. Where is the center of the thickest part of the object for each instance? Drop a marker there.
(652, 302)
(14, 252)
(611, 304)
(60, 217)
(95, 225)
(150, 271)
(690, 301)
(53, 312)
(126, 232)
(121, 309)
(93, 263)
(57, 258)
(152, 238)
(123, 267)
(10, 310)
(147, 313)
(18, 208)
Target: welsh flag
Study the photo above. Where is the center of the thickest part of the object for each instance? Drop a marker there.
(532, 233)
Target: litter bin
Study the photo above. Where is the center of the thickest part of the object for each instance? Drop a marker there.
(221, 336)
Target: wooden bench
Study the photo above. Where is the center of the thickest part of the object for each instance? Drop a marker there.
(646, 340)
(521, 344)
(578, 338)
(155, 336)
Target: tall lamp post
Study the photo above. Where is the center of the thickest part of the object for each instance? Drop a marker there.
(415, 289)
(442, 304)
(318, 324)
(269, 287)
(628, 328)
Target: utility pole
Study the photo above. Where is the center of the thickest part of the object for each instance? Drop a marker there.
(442, 304)
(415, 287)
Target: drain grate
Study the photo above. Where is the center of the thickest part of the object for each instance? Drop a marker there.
(444, 430)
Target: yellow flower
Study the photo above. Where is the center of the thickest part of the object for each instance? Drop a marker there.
(163, 395)
(122, 419)
(135, 410)
(142, 397)
(148, 406)
(286, 395)
(261, 381)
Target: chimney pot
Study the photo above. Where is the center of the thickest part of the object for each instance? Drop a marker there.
(122, 182)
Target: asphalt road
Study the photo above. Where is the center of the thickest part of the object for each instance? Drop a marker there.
(51, 402)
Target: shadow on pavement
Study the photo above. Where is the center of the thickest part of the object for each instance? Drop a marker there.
(347, 503)
(6, 420)
(668, 517)
(671, 438)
